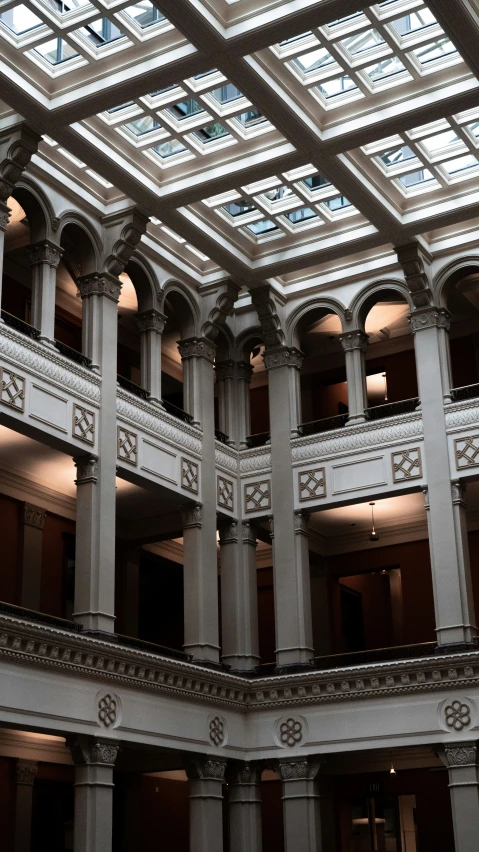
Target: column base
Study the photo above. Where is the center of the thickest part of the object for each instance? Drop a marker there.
(293, 668)
(356, 418)
(46, 341)
(457, 647)
(241, 665)
(97, 622)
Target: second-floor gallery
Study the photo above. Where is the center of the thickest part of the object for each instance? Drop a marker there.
(239, 426)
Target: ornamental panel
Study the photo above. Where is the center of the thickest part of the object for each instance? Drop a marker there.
(225, 493)
(406, 465)
(83, 424)
(467, 451)
(189, 475)
(12, 389)
(127, 449)
(257, 496)
(312, 484)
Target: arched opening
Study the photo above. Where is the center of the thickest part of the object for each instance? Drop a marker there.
(129, 344)
(78, 259)
(257, 423)
(17, 273)
(461, 298)
(179, 325)
(391, 379)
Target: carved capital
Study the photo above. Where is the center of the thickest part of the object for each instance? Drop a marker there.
(283, 356)
(249, 535)
(192, 516)
(460, 754)
(228, 532)
(87, 469)
(224, 370)
(89, 751)
(27, 771)
(45, 252)
(298, 769)
(415, 263)
(99, 285)
(244, 371)
(243, 774)
(17, 146)
(4, 216)
(151, 321)
(197, 347)
(429, 318)
(301, 523)
(205, 769)
(354, 340)
(458, 490)
(33, 516)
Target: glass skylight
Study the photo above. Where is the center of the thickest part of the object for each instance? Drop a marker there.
(56, 51)
(144, 13)
(20, 19)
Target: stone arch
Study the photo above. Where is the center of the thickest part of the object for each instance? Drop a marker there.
(318, 305)
(368, 296)
(38, 210)
(177, 300)
(450, 274)
(144, 282)
(81, 245)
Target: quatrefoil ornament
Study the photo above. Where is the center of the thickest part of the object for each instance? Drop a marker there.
(107, 710)
(217, 731)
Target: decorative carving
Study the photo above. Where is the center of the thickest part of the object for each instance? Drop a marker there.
(406, 465)
(33, 516)
(467, 451)
(125, 246)
(244, 371)
(20, 143)
(283, 356)
(83, 424)
(221, 311)
(429, 318)
(12, 389)
(291, 732)
(192, 516)
(298, 769)
(197, 347)
(150, 320)
(127, 445)
(103, 753)
(464, 754)
(189, 475)
(354, 340)
(225, 493)
(415, 263)
(4, 216)
(257, 496)
(87, 469)
(205, 769)
(217, 730)
(252, 461)
(224, 370)
(249, 535)
(458, 715)
(158, 422)
(243, 773)
(27, 771)
(312, 484)
(45, 252)
(98, 284)
(228, 532)
(55, 224)
(268, 316)
(301, 523)
(107, 710)
(458, 490)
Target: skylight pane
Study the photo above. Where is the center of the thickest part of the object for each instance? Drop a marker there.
(440, 141)
(316, 182)
(186, 108)
(264, 226)
(55, 51)
(142, 125)
(414, 22)
(415, 178)
(361, 42)
(167, 149)
(238, 207)
(313, 60)
(338, 203)
(227, 93)
(20, 20)
(385, 68)
(212, 131)
(460, 164)
(144, 13)
(397, 155)
(436, 50)
(250, 118)
(332, 88)
(101, 32)
(301, 215)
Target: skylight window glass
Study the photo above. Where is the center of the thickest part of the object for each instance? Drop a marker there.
(186, 108)
(250, 118)
(238, 207)
(385, 68)
(101, 32)
(212, 131)
(264, 226)
(20, 20)
(142, 125)
(56, 51)
(416, 178)
(294, 38)
(144, 13)
(313, 60)
(301, 215)
(440, 141)
(167, 149)
(361, 42)
(227, 93)
(474, 129)
(397, 155)
(414, 22)
(435, 50)
(316, 182)
(337, 203)
(120, 106)
(339, 21)
(460, 164)
(338, 86)
(68, 5)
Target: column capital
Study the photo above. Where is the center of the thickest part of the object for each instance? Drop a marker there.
(460, 754)
(4, 216)
(99, 284)
(298, 768)
(17, 146)
(205, 769)
(151, 320)
(228, 531)
(283, 356)
(192, 516)
(425, 491)
(301, 522)
(197, 347)
(87, 469)
(26, 771)
(355, 339)
(92, 752)
(224, 370)
(248, 533)
(45, 252)
(243, 773)
(458, 489)
(429, 317)
(415, 262)
(33, 516)
(244, 371)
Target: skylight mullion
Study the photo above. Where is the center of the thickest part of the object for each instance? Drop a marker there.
(460, 130)
(412, 143)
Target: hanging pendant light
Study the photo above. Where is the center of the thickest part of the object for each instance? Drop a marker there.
(392, 771)
(374, 536)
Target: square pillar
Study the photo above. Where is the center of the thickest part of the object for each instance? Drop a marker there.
(239, 595)
(44, 259)
(461, 760)
(151, 325)
(26, 774)
(205, 775)
(33, 524)
(301, 812)
(354, 344)
(93, 826)
(244, 791)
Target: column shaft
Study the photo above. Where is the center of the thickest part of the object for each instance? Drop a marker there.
(206, 804)
(243, 408)
(354, 344)
(462, 762)
(4, 217)
(33, 524)
(225, 386)
(239, 597)
(44, 259)
(94, 762)
(301, 813)
(151, 324)
(26, 773)
(244, 807)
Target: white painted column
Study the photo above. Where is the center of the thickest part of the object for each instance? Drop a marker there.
(225, 386)
(4, 217)
(239, 595)
(455, 623)
(200, 557)
(33, 524)
(205, 775)
(292, 593)
(244, 793)
(301, 812)
(151, 325)
(26, 772)
(354, 344)
(244, 371)
(461, 760)
(44, 260)
(96, 494)
(93, 823)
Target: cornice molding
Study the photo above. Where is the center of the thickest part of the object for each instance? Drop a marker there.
(158, 422)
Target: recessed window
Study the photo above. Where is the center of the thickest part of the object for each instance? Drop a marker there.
(301, 215)
(238, 207)
(416, 178)
(167, 149)
(143, 125)
(338, 86)
(55, 51)
(264, 226)
(101, 32)
(20, 20)
(313, 60)
(144, 13)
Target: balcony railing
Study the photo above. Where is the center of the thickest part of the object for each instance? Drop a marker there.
(327, 424)
(20, 325)
(72, 354)
(126, 384)
(221, 436)
(377, 655)
(391, 409)
(258, 440)
(149, 647)
(39, 617)
(177, 412)
(466, 392)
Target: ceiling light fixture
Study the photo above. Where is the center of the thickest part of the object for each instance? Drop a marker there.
(374, 536)
(392, 771)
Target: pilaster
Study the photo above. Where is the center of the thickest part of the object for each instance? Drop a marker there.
(200, 580)
(151, 325)
(33, 525)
